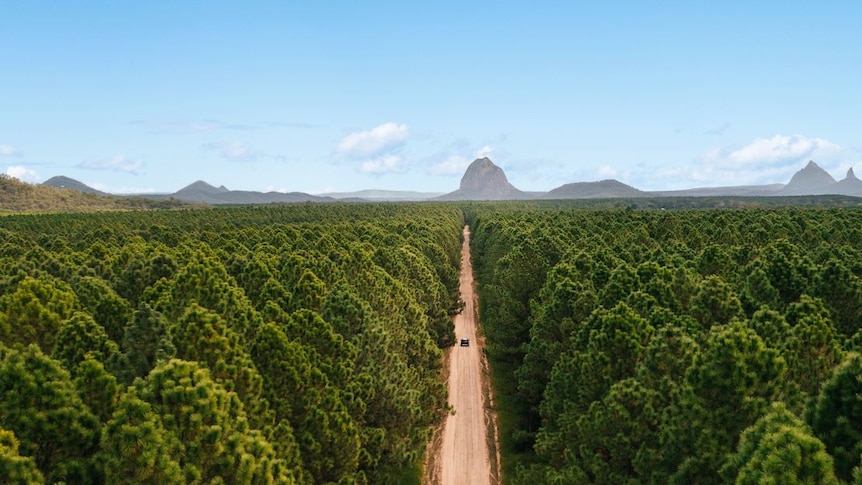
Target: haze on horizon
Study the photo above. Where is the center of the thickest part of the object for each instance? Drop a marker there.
(343, 96)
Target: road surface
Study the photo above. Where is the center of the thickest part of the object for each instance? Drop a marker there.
(463, 456)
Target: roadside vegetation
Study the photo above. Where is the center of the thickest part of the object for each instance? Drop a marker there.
(279, 344)
(679, 346)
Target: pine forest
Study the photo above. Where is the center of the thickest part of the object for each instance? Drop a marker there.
(304, 344)
(275, 344)
(680, 347)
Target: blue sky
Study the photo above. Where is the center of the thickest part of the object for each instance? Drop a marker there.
(136, 96)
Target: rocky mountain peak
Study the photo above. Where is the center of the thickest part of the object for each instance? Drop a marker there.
(484, 180)
(851, 175)
(482, 175)
(811, 180)
(204, 188)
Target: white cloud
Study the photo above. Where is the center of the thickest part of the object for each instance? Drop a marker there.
(386, 164)
(779, 149)
(762, 161)
(9, 151)
(235, 151)
(457, 164)
(21, 172)
(453, 165)
(117, 163)
(365, 144)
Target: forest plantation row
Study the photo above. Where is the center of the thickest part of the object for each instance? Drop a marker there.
(303, 344)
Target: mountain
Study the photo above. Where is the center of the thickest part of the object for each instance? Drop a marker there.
(604, 189)
(62, 182)
(485, 181)
(200, 189)
(735, 191)
(72, 196)
(202, 192)
(382, 195)
(811, 180)
(849, 185)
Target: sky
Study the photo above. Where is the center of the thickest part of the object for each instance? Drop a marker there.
(338, 96)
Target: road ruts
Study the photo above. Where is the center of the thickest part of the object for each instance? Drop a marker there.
(464, 453)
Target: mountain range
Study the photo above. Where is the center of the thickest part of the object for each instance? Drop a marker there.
(483, 180)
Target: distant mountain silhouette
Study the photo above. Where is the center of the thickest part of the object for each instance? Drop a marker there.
(485, 181)
(202, 192)
(849, 185)
(733, 191)
(604, 189)
(201, 189)
(811, 180)
(62, 182)
(382, 195)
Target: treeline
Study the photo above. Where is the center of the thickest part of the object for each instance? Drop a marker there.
(281, 344)
(687, 347)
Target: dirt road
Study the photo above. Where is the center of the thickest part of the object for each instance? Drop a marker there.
(463, 455)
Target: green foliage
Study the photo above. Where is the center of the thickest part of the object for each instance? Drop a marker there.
(146, 341)
(14, 468)
(107, 308)
(837, 413)
(208, 426)
(741, 308)
(841, 291)
(310, 337)
(780, 448)
(97, 387)
(714, 303)
(81, 337)
(811, 348)
(642, 342)
(51, 422)
(34, 311)
(137, 449)
(203, 336)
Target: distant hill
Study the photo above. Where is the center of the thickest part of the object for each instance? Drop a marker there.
(485, 181)
(604, 189)
(62, 182)
(811, 180)
(18, 196)
(201, 189)
(849, 185)
(382, 195)
(203, 193)
(734, 191)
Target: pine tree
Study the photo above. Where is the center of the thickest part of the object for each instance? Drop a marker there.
(40, 405)
(780, 448)
(837, 414)
(14, 468)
